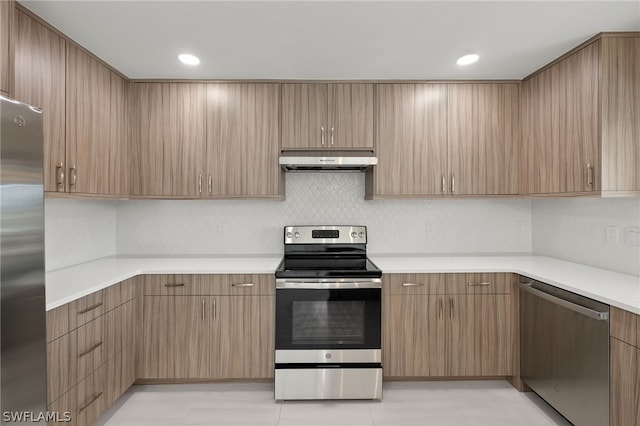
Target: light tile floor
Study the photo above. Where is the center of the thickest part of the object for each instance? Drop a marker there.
(450, 403)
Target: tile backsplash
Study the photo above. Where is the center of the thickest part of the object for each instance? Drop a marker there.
(255, 226)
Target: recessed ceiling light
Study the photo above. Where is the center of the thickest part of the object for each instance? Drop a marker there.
(467, 59)
(188, 59)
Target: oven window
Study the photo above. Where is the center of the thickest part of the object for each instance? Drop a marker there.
(340, 322)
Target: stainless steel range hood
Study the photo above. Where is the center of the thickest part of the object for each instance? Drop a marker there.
(327, 164)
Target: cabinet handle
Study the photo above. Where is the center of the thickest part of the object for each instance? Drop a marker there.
(321, 135)
(589, 176)
(94, 399)
(215, 311)
(200, 183)
(90, 308)
(444, 184)
(60, 176)
(202, 309)
(210, 183)
(412, 284)
(332, 128)
(450, 308)
(91, 349)
(477, 284)
(175, 285)
(73, 176)
(453, 183)
(242, 285)
(441, 308)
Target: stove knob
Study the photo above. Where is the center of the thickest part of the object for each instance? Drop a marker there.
(289, 234)
(361, 234)
(297, 235)
(354, 234)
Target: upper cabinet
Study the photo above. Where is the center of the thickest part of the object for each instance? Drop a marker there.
(581, 121)
(97, 149)
(168, 141)
(242, 141)
(195, 140)
(483, 139)
(40, 56)
(445, 139)
(335, 116)
(6, 44)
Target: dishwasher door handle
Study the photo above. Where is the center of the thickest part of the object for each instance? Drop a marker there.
(597, 315)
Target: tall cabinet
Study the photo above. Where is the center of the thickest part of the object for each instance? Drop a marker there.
(581, 121)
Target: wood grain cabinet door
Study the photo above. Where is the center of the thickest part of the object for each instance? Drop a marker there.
(304, 116)
(243, 342)
(242, 141)
(625, 385)
(483, 139)
(40, 72)
(6, 33)
(350, 119)
(411, 140)
(168, 144)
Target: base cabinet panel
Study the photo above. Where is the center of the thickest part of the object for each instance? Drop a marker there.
(625, 384)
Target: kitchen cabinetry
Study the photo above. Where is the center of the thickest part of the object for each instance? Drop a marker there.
(580, 121)
(447, 325)
(40, 73)
(483, 139)
(96, 145)
(6, 45)
(169, 137)
(625, 368)
(90, 352)
(335, 116)
(229, 323)
(445, 139)
(242, 141)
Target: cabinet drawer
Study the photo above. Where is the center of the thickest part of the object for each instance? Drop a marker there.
(625, 326)
(119, 294)
(487, 283)
(169, 285)
(119, 328)
(85, 309)
(91, 397)
(413, 283)
(57, 322)
(242, 284)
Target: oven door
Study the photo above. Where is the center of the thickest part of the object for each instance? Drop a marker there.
(328, 314)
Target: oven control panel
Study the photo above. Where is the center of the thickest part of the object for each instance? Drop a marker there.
(325, 234)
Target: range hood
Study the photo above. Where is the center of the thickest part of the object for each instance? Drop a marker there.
(310, 163)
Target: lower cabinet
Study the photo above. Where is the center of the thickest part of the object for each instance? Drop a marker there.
(624, 359)
(208, 336)
(430, 329)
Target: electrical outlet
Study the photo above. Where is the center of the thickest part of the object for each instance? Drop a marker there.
(612, 235)
(521, 227)
(222, 229)
(430, 226)
(633, 236)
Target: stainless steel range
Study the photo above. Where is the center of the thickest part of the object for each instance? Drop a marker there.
(328, 316)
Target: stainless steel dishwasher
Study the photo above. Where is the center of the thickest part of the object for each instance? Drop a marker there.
(564, 351)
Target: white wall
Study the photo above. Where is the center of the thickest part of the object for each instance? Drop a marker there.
(575, 229)
(77, 231)
(255, 226)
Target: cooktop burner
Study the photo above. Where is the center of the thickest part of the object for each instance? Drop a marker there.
(326, 252)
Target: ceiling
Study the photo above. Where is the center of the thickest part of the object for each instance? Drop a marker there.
(333, 39)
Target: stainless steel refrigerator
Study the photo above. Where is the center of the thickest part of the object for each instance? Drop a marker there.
(23, 356)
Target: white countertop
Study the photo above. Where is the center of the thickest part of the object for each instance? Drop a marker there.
(614, 288)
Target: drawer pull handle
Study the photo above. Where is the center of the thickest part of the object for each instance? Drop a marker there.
(412, 284)
(174, 285)
(242, 285)
(94, 399)
(91, 349)
(477, 284)
(90, 308)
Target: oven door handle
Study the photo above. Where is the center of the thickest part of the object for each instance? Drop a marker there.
(328, 283)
